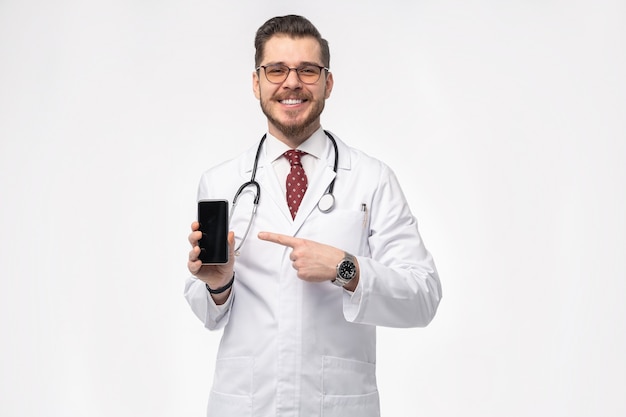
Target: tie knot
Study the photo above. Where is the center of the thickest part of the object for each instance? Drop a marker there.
(294, 155)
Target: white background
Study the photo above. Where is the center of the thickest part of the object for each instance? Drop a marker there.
(504, 120)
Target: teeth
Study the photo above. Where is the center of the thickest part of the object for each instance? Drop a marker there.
(291, 101)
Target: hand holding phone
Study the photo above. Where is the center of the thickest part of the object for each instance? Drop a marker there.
(213, 220)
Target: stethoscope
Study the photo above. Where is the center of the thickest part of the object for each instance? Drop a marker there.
(325, 204)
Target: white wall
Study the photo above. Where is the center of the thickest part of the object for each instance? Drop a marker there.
(510, 118)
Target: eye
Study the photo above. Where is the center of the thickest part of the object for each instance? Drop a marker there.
(308, 70)
(276, 70)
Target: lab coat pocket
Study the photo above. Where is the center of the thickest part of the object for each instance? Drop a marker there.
(349, 388)
(345, 229)
(231, 394)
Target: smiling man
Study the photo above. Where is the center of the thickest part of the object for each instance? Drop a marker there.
(292, 82)
(323, 248)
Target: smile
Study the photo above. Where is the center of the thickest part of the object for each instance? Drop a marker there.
(291, 101)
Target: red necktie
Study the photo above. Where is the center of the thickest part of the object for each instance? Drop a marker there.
(296, 181)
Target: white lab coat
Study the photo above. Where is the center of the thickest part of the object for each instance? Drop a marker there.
(295, 348)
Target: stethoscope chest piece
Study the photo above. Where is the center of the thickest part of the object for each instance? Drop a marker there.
(326, 203)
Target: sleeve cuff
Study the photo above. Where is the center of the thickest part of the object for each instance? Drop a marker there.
(352, 302)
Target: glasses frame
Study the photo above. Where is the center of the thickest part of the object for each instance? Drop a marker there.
(299, 67)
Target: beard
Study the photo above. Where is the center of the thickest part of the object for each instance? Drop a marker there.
(294, 129)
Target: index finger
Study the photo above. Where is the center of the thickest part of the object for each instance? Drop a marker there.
(278, 238)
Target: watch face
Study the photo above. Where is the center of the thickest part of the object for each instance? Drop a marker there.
(347, 270)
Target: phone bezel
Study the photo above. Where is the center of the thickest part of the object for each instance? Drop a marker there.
(221, 228)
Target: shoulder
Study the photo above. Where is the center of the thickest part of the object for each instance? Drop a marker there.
(358, 160)
(220, 179)
(241, 162)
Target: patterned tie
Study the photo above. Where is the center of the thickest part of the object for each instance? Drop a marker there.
(296, 181)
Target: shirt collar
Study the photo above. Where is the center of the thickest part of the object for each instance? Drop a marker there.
(315, 145)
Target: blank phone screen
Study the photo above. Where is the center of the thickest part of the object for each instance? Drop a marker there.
(213, 219)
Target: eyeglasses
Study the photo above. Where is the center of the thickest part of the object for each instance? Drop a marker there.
(278, 73)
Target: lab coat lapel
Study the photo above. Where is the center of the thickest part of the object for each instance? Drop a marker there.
(315, 191)
(321, 180)
(272, 190)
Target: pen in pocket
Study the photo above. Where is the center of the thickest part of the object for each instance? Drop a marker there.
(364, 210)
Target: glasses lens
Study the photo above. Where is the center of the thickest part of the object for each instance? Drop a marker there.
(278, 73)
(309, 74)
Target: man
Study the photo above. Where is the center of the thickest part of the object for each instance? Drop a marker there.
(300, 298)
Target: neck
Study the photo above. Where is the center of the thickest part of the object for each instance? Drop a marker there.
(293, 137)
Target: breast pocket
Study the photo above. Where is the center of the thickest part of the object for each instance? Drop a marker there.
(349, 388)
(344, 229)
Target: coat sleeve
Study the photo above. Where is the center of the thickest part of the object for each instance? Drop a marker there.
(398, 285)
(213, 316)
(202, 304)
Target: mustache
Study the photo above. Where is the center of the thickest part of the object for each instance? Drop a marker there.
(292, 96)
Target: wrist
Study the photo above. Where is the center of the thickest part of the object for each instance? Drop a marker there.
(221, 289)
(347, 271)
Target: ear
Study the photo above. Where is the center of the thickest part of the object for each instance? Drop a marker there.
(255, 85)
(329, 84)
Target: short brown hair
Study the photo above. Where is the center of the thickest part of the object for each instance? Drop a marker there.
(293, 26)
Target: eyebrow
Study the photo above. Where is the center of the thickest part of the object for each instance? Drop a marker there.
(299, 65)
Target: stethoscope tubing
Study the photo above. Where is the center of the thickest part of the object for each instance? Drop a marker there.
(325, 204)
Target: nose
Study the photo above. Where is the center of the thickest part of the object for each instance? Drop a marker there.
(292, 81)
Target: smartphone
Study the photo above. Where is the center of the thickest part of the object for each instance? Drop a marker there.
(213, 219)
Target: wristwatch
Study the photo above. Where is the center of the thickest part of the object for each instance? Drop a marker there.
(346, 270)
